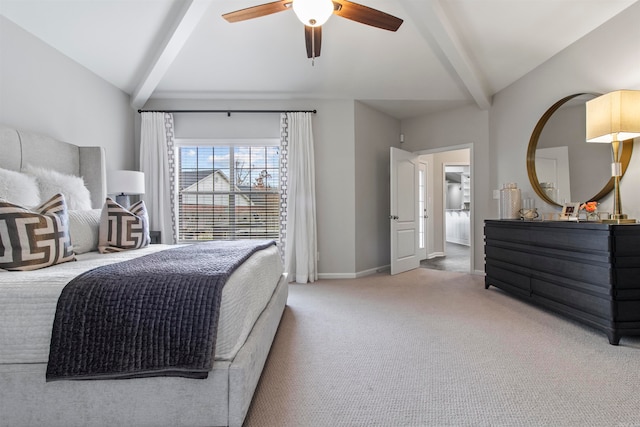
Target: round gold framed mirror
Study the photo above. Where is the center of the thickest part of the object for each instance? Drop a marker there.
(561, 165)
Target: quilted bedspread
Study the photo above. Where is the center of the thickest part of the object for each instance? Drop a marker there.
(155, 315)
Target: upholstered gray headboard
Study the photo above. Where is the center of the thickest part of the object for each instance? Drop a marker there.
(19, 148)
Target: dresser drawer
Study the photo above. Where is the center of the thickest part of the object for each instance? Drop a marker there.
(597, 305)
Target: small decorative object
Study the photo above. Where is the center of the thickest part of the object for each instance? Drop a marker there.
(591, 208)
(528, 211)
(570, 211)
(510, 201)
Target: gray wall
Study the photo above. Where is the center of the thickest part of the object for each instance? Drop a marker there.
(605, 60)
(43, 91)
(375, 132)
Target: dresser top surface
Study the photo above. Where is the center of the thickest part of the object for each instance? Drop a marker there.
(578, 225)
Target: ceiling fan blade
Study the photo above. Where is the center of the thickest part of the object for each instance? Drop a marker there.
(258, 11)
(366, 15)
(313, 39)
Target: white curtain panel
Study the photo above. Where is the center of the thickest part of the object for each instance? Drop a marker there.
(157, 163)
(300, 256)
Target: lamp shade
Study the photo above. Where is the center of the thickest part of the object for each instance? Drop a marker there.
(313, 13)
(615, 115)
(125, 182)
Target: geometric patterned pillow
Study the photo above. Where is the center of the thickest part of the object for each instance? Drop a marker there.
(122, 229)
(37, 238)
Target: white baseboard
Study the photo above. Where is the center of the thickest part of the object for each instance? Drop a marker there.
(371, 271)
(434, 255)
(336, 276)
(458, 241)
(355, 275)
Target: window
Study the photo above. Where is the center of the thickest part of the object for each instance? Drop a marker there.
(228, 191)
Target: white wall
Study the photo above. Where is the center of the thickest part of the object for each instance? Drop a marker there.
(333, 129)
(43, 91)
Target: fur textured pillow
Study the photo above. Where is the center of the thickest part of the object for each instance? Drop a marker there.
(32, 239)
(19, 188)
(84, 229)
(51, 182)
(122, 229)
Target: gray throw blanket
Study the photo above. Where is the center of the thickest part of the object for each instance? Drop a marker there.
(156, 315)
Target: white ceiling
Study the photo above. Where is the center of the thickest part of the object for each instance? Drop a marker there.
(446, 53)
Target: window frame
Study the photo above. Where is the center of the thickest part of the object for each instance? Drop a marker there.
(218, 142)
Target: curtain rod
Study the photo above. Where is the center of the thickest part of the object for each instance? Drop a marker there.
(228, 111)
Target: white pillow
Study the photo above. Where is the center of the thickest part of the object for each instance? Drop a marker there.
(19, 188)
(84, 229)
(51, 182)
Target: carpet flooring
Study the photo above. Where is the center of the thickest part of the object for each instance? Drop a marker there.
(434, 348)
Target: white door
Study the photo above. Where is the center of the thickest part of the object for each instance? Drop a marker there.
(404, 214)
(422, 210)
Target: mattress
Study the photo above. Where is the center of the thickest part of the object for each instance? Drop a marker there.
(28, 302)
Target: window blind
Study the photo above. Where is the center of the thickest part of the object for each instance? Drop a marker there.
(228, 192)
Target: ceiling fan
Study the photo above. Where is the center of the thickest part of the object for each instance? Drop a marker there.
(314, 13)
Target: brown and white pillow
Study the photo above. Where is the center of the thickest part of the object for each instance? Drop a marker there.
(122, 229)
(36, 238)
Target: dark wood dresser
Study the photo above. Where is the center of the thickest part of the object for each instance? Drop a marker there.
(587, 271)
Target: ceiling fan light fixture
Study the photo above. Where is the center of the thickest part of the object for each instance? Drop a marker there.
(313, 13)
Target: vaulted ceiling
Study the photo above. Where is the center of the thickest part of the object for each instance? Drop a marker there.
(446, 53)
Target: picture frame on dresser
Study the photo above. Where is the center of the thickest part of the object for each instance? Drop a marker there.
(570, 211)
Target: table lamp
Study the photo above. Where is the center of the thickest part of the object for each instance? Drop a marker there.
(125, 183)
(613, 118)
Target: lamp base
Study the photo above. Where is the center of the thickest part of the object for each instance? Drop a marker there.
(619, 219)
(123, 200)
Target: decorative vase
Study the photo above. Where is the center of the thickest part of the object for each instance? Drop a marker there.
(593, 216)
(510, 201)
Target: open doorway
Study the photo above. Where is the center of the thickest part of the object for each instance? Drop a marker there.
(450, 209)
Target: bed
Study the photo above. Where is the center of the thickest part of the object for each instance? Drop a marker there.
(250, 312)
